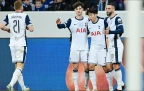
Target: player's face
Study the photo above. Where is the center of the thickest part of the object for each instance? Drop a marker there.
(92, 16)
(109, 10)
(78, 10)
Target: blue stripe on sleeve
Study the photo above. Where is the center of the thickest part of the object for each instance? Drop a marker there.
(27, 20)
(119, 27)
(64, 25)
(105, 24)
(6, 20)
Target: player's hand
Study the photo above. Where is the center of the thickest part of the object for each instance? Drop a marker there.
(58, 21)
(106, 31)
(86, 12)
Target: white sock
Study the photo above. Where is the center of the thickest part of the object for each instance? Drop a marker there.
(93, 78)
(110, 80)
(21, 82)
(86, 78)
(75, 79)
(15, 77)
(118, 77)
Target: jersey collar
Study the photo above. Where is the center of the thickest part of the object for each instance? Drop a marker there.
(79, 19)
(113, 16)
(96, 21)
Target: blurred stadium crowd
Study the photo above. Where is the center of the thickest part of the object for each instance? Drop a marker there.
(59, 5)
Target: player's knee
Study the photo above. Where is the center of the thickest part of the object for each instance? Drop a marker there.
(116, 66)
(91, 67)
(86, 68)
(105, 69)
(109, 67)
(75, 66)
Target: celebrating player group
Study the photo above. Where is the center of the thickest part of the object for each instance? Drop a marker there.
(106, 48)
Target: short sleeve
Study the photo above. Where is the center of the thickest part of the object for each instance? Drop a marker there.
(6, 20)
(28, 21)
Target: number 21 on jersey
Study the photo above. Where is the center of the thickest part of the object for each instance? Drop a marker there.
(16, 27)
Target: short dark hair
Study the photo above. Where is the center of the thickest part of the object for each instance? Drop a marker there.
(92, 10)
(77, 4)
(112, 4)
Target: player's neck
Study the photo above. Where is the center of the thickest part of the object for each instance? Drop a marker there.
(18, 11)
(96, 19)
(79, 17)
(112, 15)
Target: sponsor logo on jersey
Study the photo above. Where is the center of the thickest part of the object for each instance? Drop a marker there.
(80, 30)
(95, 33)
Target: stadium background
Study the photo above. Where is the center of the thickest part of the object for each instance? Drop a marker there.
(48, 54)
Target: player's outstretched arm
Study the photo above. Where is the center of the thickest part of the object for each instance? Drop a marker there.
(63, 25)
(59, 25)
(118, 31)
(119, 27)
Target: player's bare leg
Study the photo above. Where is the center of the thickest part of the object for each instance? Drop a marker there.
(109, 75)
(92, 75)
(75, 75)
(21, 81)
(15, 76)
(118, 76)
(86, 76)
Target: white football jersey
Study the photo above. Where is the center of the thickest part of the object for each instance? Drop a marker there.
(98, 39)
(116, 30)
(17, 23)
(78, 29)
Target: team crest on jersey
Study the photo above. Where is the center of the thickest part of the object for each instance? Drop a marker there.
(119, 20)
(98, 27)
(85, 24)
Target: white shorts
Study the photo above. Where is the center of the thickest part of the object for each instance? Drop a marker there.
(97, 57)
(115, 55)
(78, 55)
(18, 53)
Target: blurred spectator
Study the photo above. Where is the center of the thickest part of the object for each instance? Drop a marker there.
(26, 5)
(119, 4)
(102, 4)
(47, 3)
(39, 6)
(87, 3)
(5, 5)
(58, 5)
